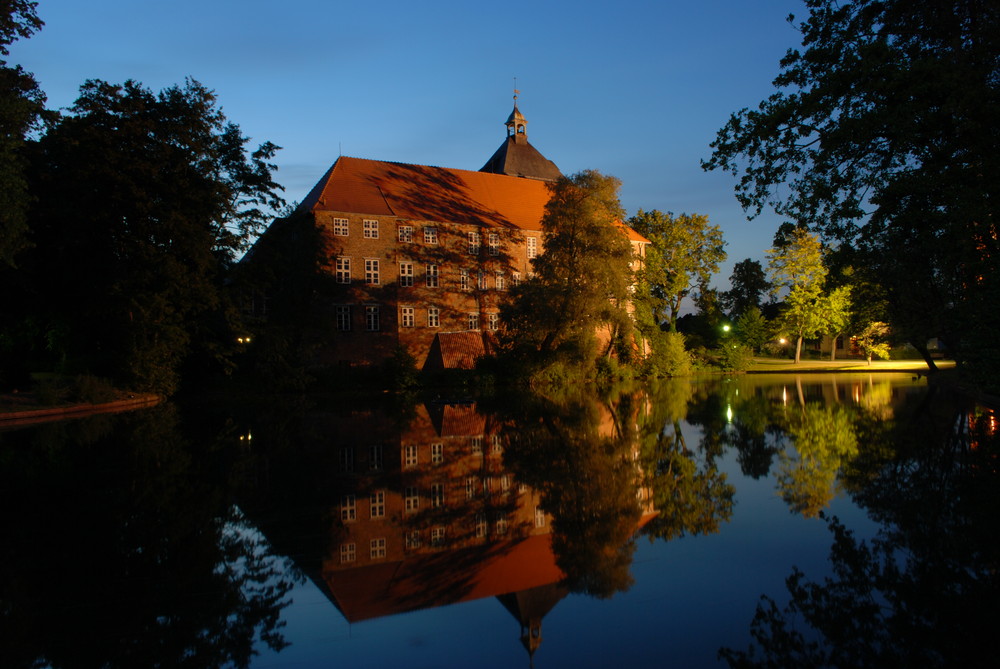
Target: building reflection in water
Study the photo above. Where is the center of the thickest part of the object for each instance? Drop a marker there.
(428, 514)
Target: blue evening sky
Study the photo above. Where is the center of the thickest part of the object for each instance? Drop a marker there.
(636, 89)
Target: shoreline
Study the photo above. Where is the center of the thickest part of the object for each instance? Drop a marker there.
(30, 416)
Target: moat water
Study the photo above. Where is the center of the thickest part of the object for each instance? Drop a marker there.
(835, 520)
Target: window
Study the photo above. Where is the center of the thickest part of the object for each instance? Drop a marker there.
(473, 321)
(347, 459)
(463, 279)
(433, 317)
(532, 245)
(348, 508)
(371, 229)
(410, 455)
(343, 270)
(411, 499)
(470, 487)
(501, 525)
(494, 321)
(539, 517)
(474, 241)
(437, 495)
(378, 503)
(480, 525)
(413, 539)
(496, 446)
(431, 277)
(371, 318)
(437, 454)
(406, 317)
(375, 457)
(516, 278)
(481, 280)
(340, 227)
(430, 235)
(406, 274)
(343, 313)
(371, 271)
(347, 552)
(405, 233)
(501, 283)
(477, 445)
(494, 244)
(437, 536)
(505, 482)
(378, 548)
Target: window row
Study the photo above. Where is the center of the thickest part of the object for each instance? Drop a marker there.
(344, 319)
(377, 548)
(410, 455)
(405, 235)
(474, 487)
(431, 278)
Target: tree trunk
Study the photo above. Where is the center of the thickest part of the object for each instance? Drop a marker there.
(926, 355)
(833, 349)
(798, 349)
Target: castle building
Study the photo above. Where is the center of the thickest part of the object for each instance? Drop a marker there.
(421, 257)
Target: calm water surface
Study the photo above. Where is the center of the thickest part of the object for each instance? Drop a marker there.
(834, 520)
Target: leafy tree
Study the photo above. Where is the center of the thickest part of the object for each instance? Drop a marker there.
(837, 315)
(582, 276)
(752, 329)
(884, 133)
(22, 106)
(798, 267)
(748, 286)
(143, 202)
(873, 341)
(684, 254)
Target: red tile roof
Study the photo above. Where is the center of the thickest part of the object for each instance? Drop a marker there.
(423, 193)
(460, 350)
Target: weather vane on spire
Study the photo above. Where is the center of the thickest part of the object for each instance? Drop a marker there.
(515, 90)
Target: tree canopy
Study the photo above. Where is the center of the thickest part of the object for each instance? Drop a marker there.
(582, 276)
(748, 285)
(685, 252)
(884, 133)
(143, 199)
(22, 105)
(798, 268)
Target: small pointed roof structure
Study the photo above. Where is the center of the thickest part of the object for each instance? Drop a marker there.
(516, 157)
(529, 607)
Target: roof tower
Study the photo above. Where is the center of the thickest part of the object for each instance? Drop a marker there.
(516, 157)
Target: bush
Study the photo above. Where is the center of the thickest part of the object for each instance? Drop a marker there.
(735, 357)
(610, 371)
(669, 356)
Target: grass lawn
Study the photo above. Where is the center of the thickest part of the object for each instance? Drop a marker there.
(763, 365)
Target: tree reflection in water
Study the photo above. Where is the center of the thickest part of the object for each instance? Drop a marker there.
(579, 453)
(121, 549)
(924, 591)
(690, 493)
(823, 438)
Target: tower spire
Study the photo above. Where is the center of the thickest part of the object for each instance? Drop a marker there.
(517, 125)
